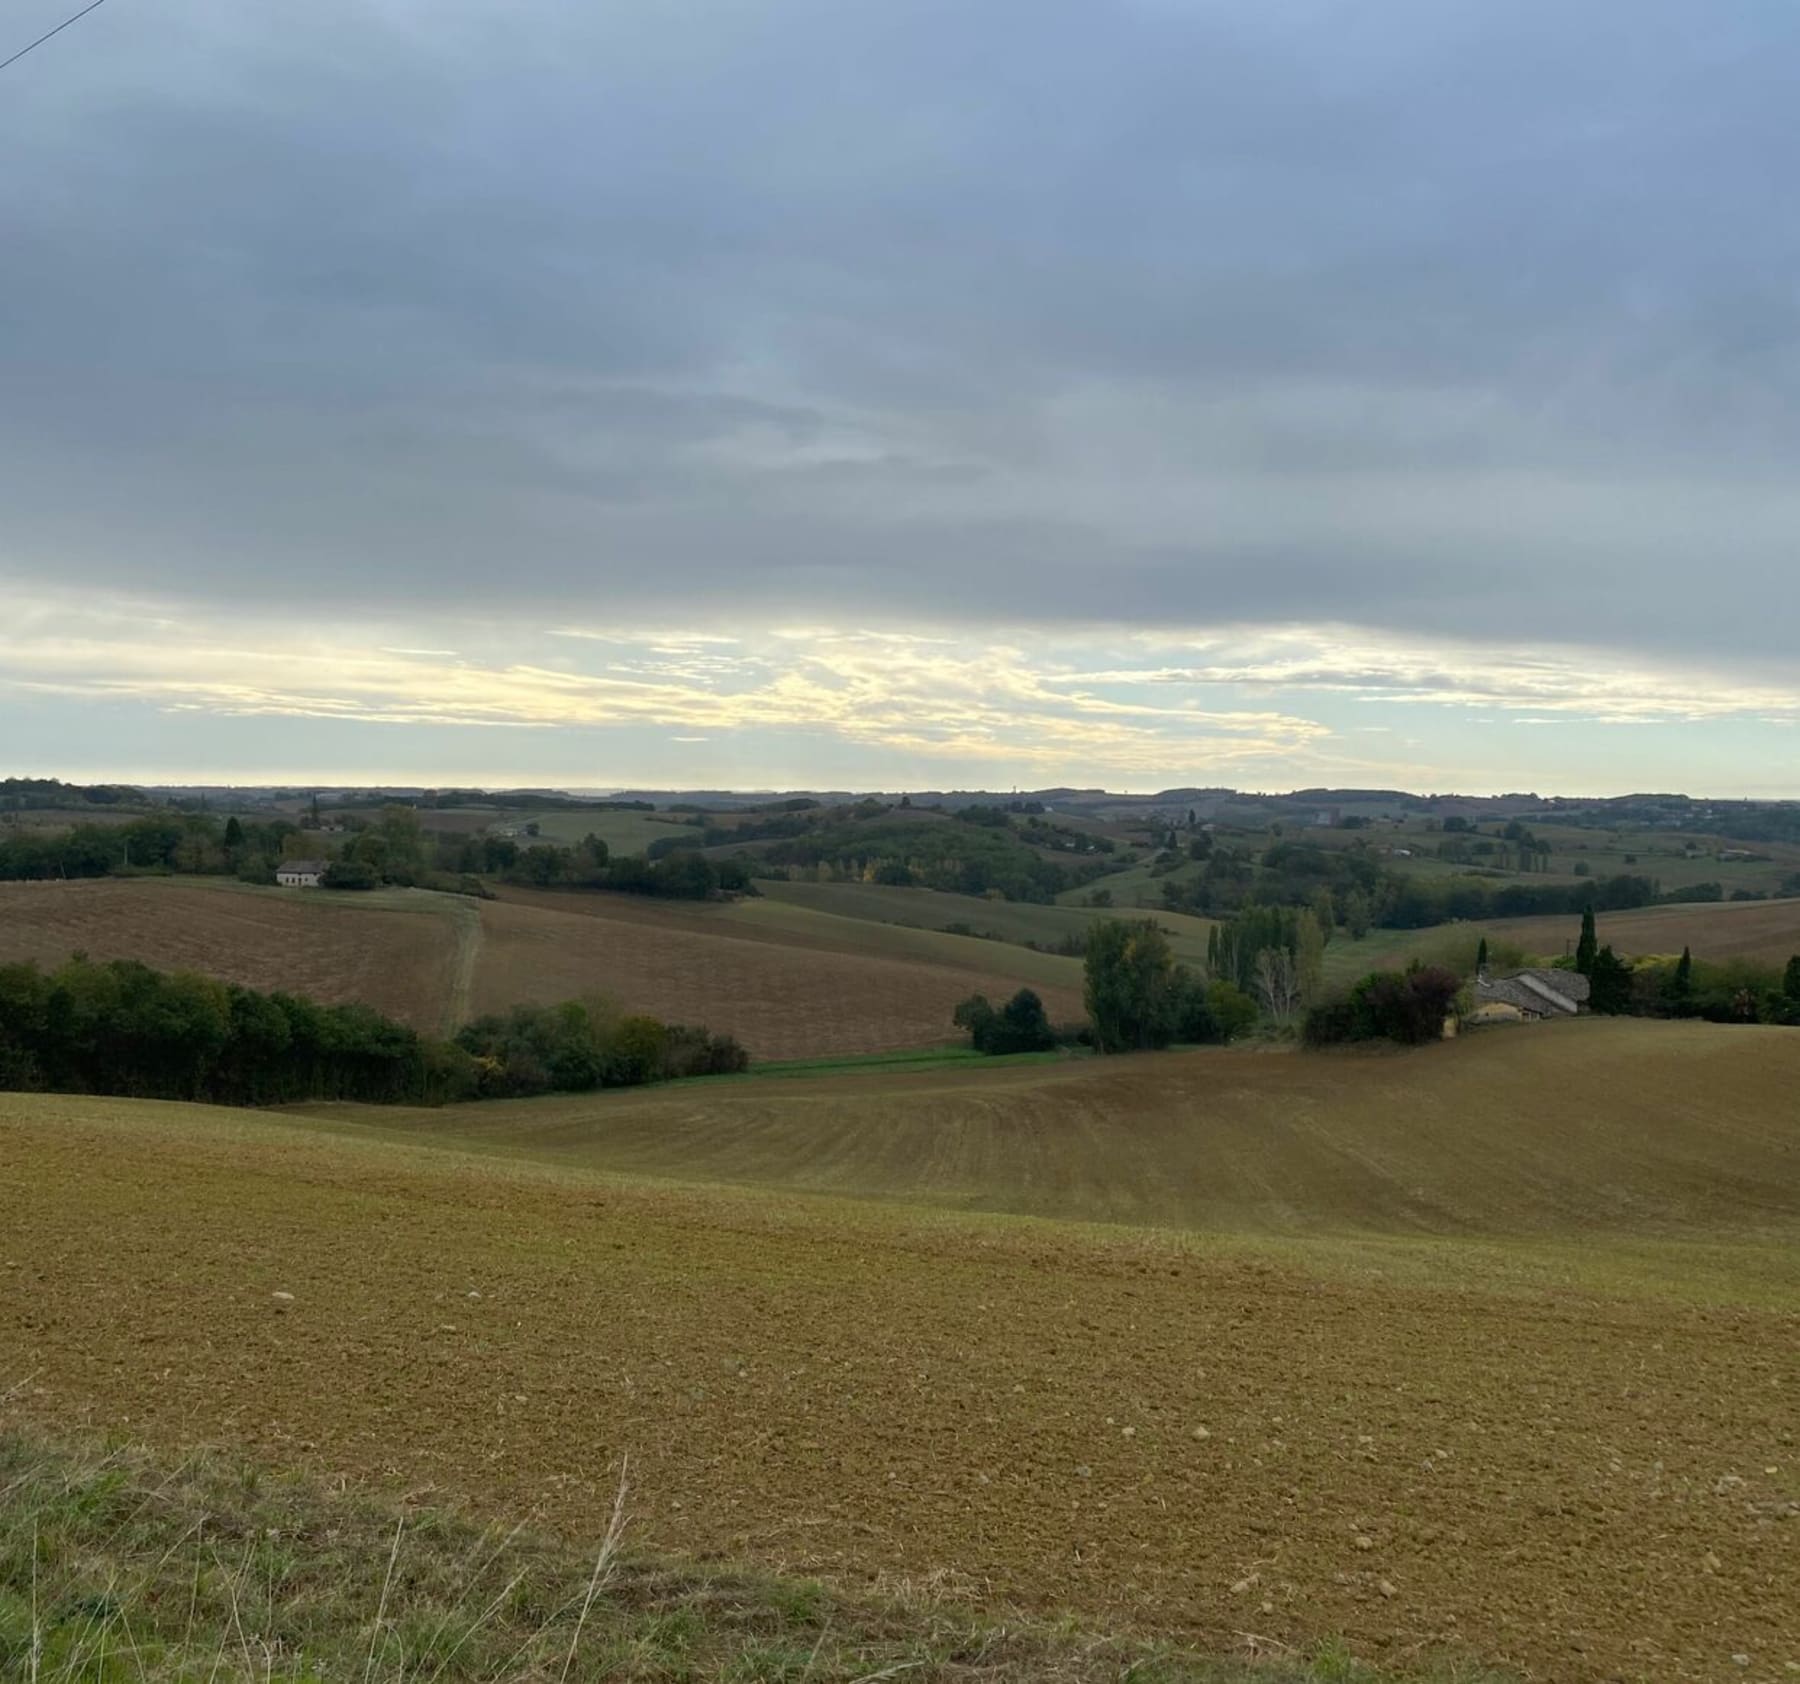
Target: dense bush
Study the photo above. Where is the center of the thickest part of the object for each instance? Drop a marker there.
(1408, 1007)
(1019, 1026)
(350, 874)
(574, 1047)
(1729, 991)
(1232, 1011)
(123, 1028)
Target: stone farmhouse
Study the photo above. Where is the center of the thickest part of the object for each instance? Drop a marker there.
(300, 874)
(1529, 996)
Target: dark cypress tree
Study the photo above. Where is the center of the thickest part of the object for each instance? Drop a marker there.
(1481, 958)
(1611, 978)
(1790, 981)
(1588, 946)
(1681, 988)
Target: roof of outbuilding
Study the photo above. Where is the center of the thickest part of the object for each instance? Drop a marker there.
(1572, 985)
(1504, 991)
(313, 867)
(1539, 989)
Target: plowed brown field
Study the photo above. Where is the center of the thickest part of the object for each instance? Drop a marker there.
(1764, 930)
(395, 951)
(783, 993)
(1562, 1131)
(1571, 1445)
(786, 981)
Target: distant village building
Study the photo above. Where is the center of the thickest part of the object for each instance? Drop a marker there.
(300, 874)
(1529, 996)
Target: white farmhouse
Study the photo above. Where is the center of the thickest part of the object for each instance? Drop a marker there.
(300, 874)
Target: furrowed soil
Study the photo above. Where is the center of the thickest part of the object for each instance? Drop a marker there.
(1616, 1126)
(1554, 1425)
(788, 981)
(784, 991)
(1765, 930)
(394, 949)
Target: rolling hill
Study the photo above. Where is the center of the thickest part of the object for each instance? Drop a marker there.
(787, 983)
(1485, 1350)
(1764, 930)
(1602, 1124)
(403, 951)
(788, 980)
(1012, 921)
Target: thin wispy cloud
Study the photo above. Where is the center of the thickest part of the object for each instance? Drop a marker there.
(1268, 705)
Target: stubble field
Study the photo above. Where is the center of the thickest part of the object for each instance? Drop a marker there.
(1434, 1351)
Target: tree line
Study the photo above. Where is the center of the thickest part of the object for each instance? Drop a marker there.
(391, 848)
(122, 1028)
(1729, 991)
(1349, 888)
(970, 857)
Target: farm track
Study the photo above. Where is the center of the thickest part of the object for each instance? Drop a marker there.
(788, 982)
(459, 1003)
(1201, 1440)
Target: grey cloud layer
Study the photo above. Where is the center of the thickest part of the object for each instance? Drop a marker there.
(1463, 319)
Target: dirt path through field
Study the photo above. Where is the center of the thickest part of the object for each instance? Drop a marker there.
(1204, 1443)
(459, 997)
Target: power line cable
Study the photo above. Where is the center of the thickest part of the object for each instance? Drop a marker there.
(48, 33)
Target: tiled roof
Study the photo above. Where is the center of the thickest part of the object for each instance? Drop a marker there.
(1541, 990)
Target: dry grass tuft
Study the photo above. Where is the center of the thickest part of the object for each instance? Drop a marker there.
(116, 1568)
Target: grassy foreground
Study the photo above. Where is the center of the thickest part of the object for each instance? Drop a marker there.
(115, 1566)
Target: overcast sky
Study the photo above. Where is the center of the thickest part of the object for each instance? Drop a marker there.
(785, 392)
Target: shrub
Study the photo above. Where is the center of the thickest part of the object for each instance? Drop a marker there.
(350, 874)
(1408, 1007)
(1233, 1011)
(1019, 1026)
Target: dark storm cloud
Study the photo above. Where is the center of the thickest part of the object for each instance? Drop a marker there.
(1465, 319)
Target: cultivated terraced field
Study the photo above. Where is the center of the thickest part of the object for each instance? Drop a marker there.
(1495, 1347)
